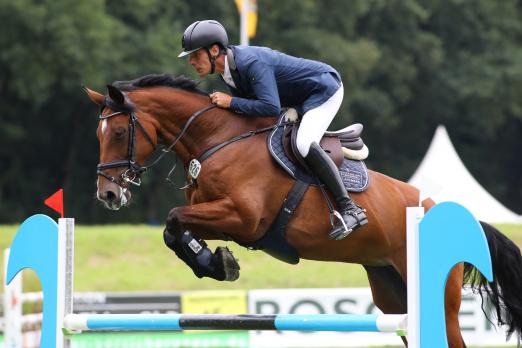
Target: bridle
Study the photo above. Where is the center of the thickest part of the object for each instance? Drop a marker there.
(134, 169)
(131, 175)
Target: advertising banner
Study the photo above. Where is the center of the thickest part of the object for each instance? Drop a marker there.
(214, 302)
(477, 330)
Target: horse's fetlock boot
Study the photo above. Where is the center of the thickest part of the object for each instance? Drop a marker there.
(169, 239)
(173, 221)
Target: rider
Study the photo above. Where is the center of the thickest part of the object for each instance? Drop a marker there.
(261, 81)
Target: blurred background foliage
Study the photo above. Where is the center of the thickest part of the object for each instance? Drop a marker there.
(407, 66)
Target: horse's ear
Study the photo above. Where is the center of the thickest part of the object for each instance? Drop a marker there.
(115, 94)
(96, 97)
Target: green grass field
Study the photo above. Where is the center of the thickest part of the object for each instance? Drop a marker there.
(134, 258)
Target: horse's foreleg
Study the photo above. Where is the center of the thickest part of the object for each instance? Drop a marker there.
(220, 264)
(205, 218)
(452, 301)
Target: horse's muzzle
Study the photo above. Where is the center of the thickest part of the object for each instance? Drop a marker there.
(113, 196)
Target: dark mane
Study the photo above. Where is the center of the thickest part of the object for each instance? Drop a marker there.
(154, 80)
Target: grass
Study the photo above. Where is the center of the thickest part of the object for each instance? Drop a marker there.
(134, 258)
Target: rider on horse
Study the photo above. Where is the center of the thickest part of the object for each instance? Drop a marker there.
(262, 81)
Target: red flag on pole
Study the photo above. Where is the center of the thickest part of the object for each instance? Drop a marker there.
(55, 202)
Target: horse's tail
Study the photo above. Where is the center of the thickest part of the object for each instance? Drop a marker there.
(505, 292)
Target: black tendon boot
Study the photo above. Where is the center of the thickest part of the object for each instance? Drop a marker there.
(220, 265)
(349, 215)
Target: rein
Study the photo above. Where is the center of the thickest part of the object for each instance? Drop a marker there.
(131, 175)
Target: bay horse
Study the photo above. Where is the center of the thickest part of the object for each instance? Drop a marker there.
(240, 189)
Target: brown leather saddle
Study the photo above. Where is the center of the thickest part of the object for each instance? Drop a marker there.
(344, 146)
(332, 143)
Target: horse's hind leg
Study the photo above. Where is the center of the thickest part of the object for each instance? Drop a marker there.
(452, 300)
(388, 290)
(390, 296)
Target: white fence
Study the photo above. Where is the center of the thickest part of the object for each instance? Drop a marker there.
(477, 330)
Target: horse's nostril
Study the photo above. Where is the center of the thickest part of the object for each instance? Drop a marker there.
(110, 196)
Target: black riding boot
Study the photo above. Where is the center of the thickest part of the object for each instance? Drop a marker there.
(326, 170)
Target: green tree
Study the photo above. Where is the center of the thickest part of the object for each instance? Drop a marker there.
(407, 66)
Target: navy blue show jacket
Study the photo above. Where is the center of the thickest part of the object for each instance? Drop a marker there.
(267, 80)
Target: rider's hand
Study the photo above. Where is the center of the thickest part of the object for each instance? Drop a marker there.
(221, 99)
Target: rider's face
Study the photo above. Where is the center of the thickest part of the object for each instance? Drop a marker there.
(199, 60)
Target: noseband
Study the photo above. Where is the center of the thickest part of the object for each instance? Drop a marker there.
(134, 170)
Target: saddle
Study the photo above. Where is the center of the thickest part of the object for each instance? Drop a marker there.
(345, 147)
(338, 145)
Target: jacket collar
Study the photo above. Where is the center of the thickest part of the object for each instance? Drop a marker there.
(227, 76)
(233, 68)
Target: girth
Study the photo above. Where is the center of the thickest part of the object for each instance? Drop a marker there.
(274, 241)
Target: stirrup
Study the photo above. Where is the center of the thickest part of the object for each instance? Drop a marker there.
(346, 231)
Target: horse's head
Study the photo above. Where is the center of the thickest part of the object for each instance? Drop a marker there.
(127, 137)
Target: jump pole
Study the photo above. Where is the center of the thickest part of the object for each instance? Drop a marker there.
(47, 248)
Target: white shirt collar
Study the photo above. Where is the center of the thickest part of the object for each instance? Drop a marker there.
(227, 76)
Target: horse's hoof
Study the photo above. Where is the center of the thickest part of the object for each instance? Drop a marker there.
(228, 263)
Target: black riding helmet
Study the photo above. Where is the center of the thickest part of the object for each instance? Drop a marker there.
(203, 34)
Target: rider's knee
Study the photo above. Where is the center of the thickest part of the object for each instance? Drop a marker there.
(303, 144)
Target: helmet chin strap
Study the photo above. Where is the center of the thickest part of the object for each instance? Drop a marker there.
(212, 60)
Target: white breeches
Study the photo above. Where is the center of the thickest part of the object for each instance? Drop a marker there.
(316, 121)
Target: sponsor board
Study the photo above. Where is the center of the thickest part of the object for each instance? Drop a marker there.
(127, 302)
(162, 340)
(477, 330)
(214, 302)
(221, 339)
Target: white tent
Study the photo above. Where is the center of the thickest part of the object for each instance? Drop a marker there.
(443, 177)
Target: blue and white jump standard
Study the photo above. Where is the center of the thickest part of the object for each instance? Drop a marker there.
(47, 248)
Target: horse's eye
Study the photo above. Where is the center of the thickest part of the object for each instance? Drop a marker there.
(120, 132)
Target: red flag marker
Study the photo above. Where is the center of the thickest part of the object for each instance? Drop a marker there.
(55, 202)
